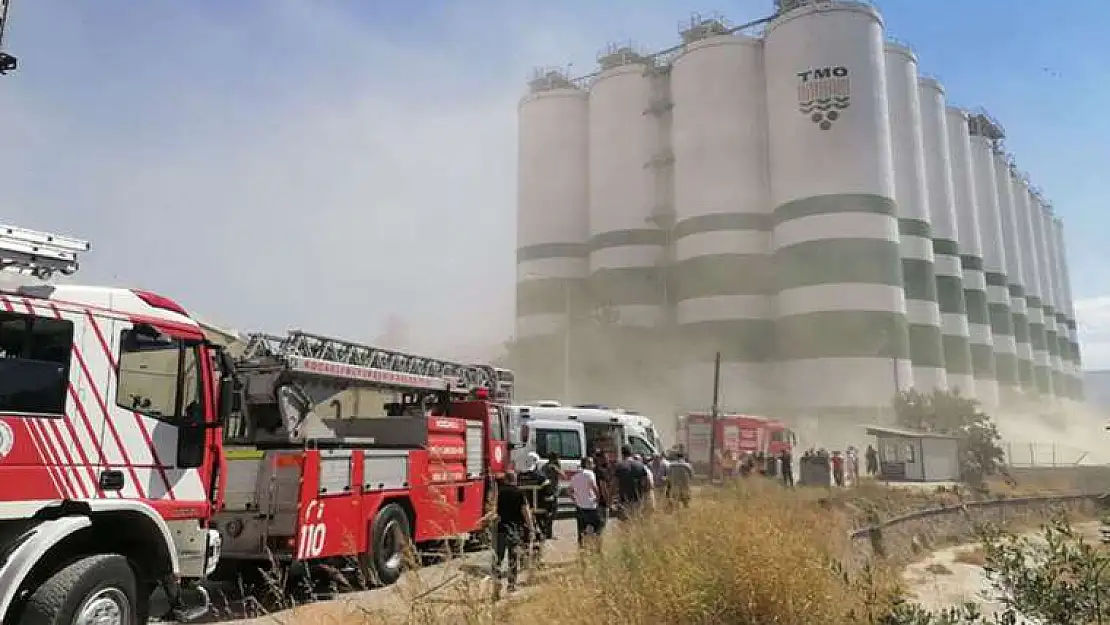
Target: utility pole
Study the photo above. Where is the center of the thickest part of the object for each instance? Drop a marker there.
(714, 411)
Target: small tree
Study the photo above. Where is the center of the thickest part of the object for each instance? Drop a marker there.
(948, 412)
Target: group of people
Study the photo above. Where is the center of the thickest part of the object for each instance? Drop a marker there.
(746, 464)
(844, 468)
(627, 488)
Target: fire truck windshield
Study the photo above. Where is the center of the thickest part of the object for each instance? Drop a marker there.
(158, 377)
(34, 363)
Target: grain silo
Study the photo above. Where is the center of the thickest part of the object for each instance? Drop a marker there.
(841, 330)
(1062, 381)
(1042, 229)
(1015, 270)
(724, 285)
(971, 255)
(1071, 338)
(985, 135)
(552, 219)
(942, 211)
(1031, 270)
(626, 246)
(1076, 358)
(914, 224)
(1007, 352)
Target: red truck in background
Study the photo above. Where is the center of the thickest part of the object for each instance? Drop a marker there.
(136, 454)
(736, 434)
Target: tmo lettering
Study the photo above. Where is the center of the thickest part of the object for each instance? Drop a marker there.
(819, 73)
(314, 532)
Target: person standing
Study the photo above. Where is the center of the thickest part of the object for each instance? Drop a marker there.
(603, 470)
(514, 522)
(838, 469)
(787, 469)
(587, 499)
(553, 474)
(872, 458)
(633, 483)
(680, 477)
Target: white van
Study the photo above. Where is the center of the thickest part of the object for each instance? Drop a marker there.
(543, 436)
(599, 425)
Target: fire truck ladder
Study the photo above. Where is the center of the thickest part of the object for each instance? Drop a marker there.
(38, 254)
(298, 344)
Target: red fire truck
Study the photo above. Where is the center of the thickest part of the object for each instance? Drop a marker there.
(115, 414)
(735, 434)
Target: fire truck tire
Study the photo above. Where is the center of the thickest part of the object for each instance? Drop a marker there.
(390, 535)
(94, 590)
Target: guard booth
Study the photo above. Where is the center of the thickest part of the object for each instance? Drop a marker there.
(913, 456)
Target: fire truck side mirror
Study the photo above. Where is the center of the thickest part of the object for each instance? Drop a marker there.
(227, 399)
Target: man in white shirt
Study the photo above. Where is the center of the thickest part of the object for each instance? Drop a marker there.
(584, 490)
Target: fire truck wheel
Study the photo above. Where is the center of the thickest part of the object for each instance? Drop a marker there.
(389, 539)
(96, 590)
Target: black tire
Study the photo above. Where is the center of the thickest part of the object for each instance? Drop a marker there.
(103, 580)
(390, 537)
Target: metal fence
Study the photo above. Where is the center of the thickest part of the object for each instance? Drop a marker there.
(1042, 454)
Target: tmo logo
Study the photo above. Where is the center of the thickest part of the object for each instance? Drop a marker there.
(819, 73)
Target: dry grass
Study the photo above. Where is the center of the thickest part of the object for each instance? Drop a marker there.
(750, 552)
(973, 555)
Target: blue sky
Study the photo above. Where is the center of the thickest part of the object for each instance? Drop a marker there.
(340, 162)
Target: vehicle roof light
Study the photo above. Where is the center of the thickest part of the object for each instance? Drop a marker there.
(481, 392)
(158, 301)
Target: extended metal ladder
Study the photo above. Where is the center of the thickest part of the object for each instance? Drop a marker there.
(298, 344)
(38, 254)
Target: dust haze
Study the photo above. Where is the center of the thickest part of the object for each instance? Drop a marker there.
(295, 164)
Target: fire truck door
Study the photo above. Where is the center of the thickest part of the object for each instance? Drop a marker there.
(157, 409)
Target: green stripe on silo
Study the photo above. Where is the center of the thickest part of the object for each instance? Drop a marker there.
(550, 296)
(995, 279)
(946, 247)
(971, 263)
(919, 279)
(977, 308)
(982, 361)
(718, 222)
(1016, 290)
(622, 238)
(842, 334)
(915, 228)
(1006, 369)
(837, 261)
(1002, 322)
(950, 295)
(1021, 327)
(926, 347)
(552, 250)
(831, 204)
(628, 286)
(738, 340)
(957, 354)
(723, 274)
(839, 334)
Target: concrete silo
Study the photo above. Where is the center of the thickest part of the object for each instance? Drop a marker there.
(942, 210)
(971, 256)
(843, 345)
(1042, 230)
(1031, 270)
(1075, 357)
(985, 134)
(723, 281)
(626, 246)
(1062, 384)
(1000, 286)
(552, 220)
(1008, 199)
(914, 224)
